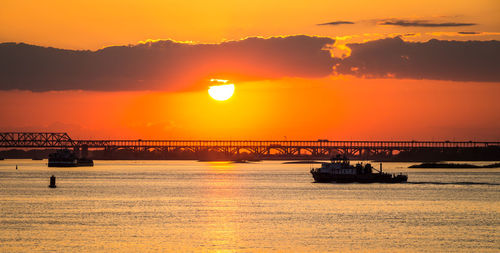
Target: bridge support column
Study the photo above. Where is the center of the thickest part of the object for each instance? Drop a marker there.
(76, 150)
(85, 151)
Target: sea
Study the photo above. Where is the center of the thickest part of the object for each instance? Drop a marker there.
(267, 206)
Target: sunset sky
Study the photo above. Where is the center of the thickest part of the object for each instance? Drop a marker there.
(338, 70)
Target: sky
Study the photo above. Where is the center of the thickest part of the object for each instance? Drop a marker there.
(338, 70)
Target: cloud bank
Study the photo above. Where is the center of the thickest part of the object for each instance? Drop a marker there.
(434, 59)
(169, 65)
(469, 33)
(162, 65)
(421, 23)
(338, 23)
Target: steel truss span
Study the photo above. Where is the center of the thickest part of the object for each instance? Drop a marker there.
(35, 140)
(260, 148)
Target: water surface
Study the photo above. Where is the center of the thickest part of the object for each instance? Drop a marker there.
(268, 206)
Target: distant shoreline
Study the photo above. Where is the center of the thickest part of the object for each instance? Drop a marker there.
(301, 162)
(453, 166)
(285, 161)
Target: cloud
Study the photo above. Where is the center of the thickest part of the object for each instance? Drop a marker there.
(162, 65)
(469, 33)
(421, 23)
(168, 65)
(434, 59)
(338, 23)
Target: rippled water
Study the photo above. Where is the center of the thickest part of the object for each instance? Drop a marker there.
(266, 206)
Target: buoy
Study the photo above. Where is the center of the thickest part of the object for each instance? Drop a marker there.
(52, 182)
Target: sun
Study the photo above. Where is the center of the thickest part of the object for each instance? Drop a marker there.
(221, 92)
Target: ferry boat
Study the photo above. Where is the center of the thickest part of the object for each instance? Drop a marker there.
(339, 170)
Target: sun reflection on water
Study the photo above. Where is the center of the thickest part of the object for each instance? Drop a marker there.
(220, 228)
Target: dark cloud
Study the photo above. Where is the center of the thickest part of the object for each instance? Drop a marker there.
(421, 23)
(162, 65)
(471, 33)
(338, 23)
(434, 59)
(169, 65)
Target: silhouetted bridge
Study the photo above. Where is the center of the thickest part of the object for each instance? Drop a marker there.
(287, 149)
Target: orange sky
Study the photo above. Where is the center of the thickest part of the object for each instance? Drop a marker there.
(93, 24)
(332, 107)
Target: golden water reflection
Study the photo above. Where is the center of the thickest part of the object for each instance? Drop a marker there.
(220, 207)
(187, 206)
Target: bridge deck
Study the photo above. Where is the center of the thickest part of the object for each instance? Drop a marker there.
(62, 140)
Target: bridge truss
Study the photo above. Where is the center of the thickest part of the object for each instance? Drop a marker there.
(35, 140)
(319, 148)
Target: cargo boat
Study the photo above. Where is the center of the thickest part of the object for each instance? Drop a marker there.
(66, 158)
(339, 170)
(63, 158)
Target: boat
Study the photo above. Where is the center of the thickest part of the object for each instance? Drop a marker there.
(85, 162)
(63, 158)
(339, 170)
(67, 158)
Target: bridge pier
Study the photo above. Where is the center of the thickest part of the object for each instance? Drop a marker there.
(76, 151)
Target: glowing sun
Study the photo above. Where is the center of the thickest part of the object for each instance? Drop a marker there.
(221, 92)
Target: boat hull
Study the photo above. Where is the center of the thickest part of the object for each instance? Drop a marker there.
(84, 162)
(367, 178)
(59, 163)
(78, 163)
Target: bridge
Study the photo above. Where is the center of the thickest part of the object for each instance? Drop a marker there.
(285, 149)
